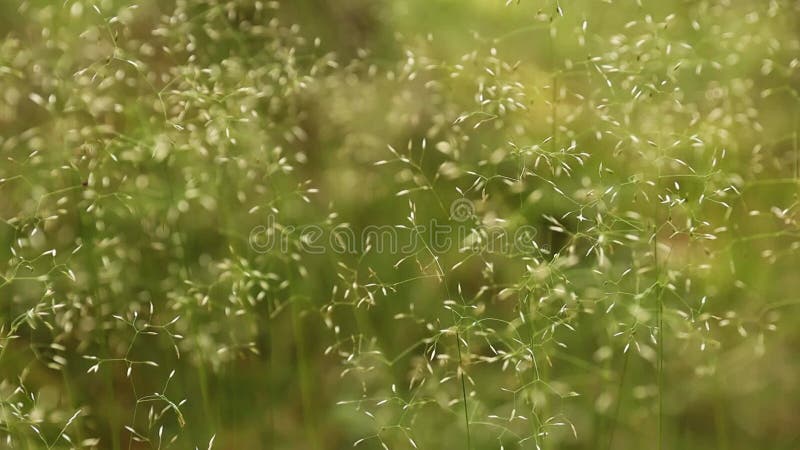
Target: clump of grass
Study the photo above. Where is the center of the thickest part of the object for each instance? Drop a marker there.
(643, 162)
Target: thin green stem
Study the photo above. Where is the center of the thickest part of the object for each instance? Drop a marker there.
(619, 401)
(463, 391)
(305, 381)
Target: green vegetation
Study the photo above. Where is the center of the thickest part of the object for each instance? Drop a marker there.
(441, 224)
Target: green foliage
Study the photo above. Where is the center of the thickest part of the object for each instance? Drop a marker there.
(530, 225)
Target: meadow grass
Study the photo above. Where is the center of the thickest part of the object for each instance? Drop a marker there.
(399, 224)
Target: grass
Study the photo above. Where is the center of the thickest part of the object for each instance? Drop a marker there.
(409, 224)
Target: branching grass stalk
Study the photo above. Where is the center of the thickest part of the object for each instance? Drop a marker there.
(460, 361)
(660, 314)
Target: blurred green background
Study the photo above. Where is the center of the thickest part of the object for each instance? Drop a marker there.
(652, 145)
